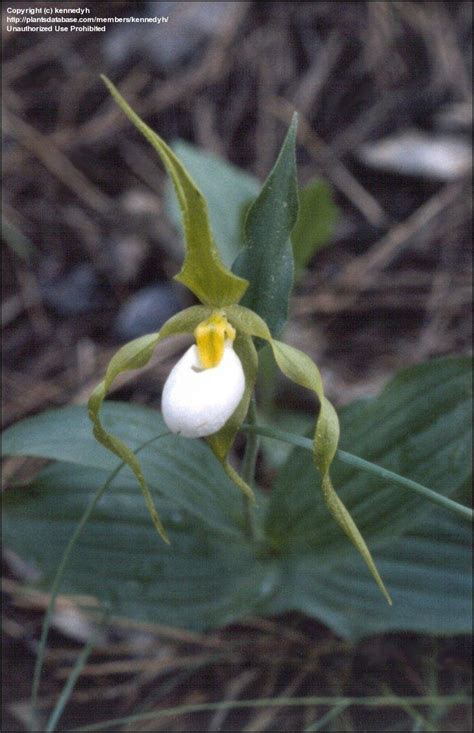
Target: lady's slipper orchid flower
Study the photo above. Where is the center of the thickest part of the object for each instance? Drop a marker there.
(207, 394)
(207, 384)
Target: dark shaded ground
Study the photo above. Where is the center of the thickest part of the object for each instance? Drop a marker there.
(84, 232)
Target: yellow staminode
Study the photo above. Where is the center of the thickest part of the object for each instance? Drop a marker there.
(211, 336)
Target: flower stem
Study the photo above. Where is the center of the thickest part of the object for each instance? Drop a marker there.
(248, 467)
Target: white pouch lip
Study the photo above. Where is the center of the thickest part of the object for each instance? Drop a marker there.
(197, 402)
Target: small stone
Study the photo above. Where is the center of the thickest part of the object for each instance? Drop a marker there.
(75, 292)
(415, 153)
(147, 310)
(171, 43)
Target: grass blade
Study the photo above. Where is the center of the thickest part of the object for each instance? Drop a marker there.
(68, 688)
(300, 442)
(60, 572)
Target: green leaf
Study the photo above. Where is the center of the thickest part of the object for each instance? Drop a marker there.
(301, 369)
(203, 580)
(267, 260)
(64, 434)
(316, 219)
(428, 571)
(276, 452)
(228, 192)
(202, 271)
(419, 427)
(181, 470)
(134, 355)
(210, 575)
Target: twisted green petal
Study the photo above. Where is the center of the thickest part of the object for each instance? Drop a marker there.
(298, 367)
(135, 355)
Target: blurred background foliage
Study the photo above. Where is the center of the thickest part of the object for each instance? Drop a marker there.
(384, 257)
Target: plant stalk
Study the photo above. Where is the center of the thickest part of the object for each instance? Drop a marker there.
(356, 462)
(249, 464)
